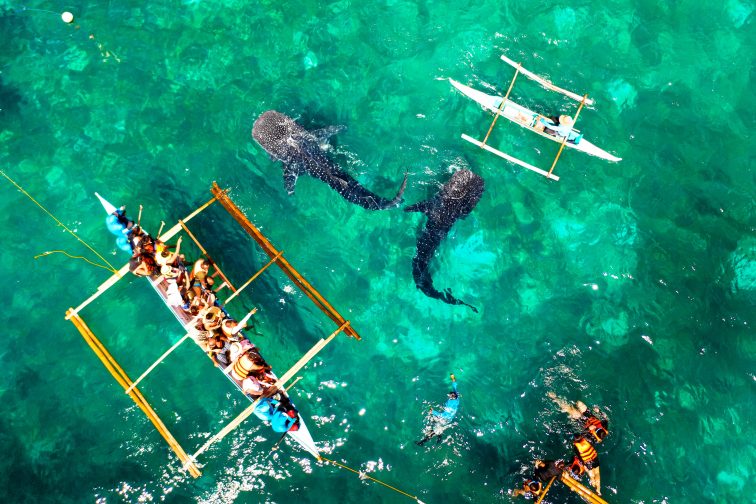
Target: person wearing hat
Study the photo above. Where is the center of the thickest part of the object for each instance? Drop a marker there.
(163, 254)
(440, 420)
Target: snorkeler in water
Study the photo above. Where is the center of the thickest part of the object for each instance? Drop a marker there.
(440, 420)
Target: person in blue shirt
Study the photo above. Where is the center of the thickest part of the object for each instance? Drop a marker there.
(441, 419)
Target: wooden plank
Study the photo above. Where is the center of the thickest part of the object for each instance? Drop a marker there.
(501, 105)
(545, 83)
(587, 495)
(252, 279)
(510, 158)
(154, 364)
(542, 495)
(215, 264)
(282, 263)
(564, 142)
(122, 378)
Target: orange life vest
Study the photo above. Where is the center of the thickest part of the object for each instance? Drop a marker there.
(576, 467)
(585, 450)
(594, 425)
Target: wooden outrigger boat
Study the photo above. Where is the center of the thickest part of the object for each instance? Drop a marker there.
(530, 120)
(162, 286)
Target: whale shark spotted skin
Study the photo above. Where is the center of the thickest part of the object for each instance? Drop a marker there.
(300, 152)
(454, 201)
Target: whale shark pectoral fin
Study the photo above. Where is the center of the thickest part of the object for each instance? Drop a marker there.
(323, 134)
(423, 206)
(290, 174)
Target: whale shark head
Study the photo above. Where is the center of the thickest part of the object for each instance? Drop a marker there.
(274, 132)
(461, 193)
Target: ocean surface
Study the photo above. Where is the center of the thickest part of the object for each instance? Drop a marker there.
(630, 286)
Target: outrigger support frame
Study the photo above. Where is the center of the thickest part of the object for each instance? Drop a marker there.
(587, 495)
(273, 253)
(123, 379)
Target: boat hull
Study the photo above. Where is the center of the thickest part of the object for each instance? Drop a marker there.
(526, 118)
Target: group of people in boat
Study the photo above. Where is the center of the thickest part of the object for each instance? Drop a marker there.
(594, 429)
(191, 290)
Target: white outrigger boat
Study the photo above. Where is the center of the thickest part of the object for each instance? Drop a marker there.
(163, 286)
(530, 120)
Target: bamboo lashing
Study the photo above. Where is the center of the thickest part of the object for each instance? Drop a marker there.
(160, 359)
(274, 259)
(279, 384)
(582, 491)
(548, 85)
(542, 495)
(282, 263)
(204, 252)
(125, 269)
(501, 105)
(564, 142)
(122, 378)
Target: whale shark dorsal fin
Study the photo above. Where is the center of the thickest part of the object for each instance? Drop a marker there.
(423, 206)
(290, 174)
(323, 134)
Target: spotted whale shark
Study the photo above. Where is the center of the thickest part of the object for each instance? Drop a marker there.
(454, 201)
(301, 152)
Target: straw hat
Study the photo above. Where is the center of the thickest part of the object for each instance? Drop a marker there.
(566, 120)
(211, 318)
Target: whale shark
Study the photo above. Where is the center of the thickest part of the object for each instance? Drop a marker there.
(454, 201)
(302, 151)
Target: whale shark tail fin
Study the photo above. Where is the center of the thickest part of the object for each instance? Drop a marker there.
(448, 298)
(398, 198)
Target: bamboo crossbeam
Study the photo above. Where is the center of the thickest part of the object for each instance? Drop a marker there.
(154, 364)
(252, 279)
(279, 384)
(509, 158)
(564, 142)
(587, 495)
(501, 105)
(125, 269)
(122, 378)
(545, 491)
(204, 252)
(282, 263)
(543, 82)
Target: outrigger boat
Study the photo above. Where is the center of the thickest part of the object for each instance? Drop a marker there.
(530, 120)
(294, 426)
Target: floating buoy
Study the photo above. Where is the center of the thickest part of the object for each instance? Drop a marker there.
(67, 17)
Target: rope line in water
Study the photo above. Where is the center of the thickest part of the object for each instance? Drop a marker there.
(43, 254)
(110, 266)
(364, 475)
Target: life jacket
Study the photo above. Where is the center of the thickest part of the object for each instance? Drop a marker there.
(595, 427)
(244, 366)
(576, 467)
(585, 450)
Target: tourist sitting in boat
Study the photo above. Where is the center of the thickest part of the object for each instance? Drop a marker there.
(232, 329)
(598, 428)
(200, 272)
(558, 126)
(163, 254)
(440, 420)
(589, 459)
(281, 414)
(248, 363)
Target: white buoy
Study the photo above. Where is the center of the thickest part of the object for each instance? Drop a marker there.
(67, 17)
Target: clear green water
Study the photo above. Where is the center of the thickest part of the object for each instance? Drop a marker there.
(161, 102)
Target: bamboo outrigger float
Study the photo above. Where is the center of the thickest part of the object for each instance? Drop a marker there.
(531, 120)
(301, 435)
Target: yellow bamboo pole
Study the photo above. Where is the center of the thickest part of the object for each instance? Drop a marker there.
(279, 384)
(232, 296)
(282, 263)
(154, 364)
(581, 490)
(564, 142)
(501, 105)
(215, 264)
(122, 378)
(545, 490)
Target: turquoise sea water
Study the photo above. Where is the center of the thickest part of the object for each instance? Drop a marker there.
(630, 286)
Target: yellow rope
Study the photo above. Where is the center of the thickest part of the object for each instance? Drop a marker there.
(72, 257)
(58, 222)
(364, 475)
